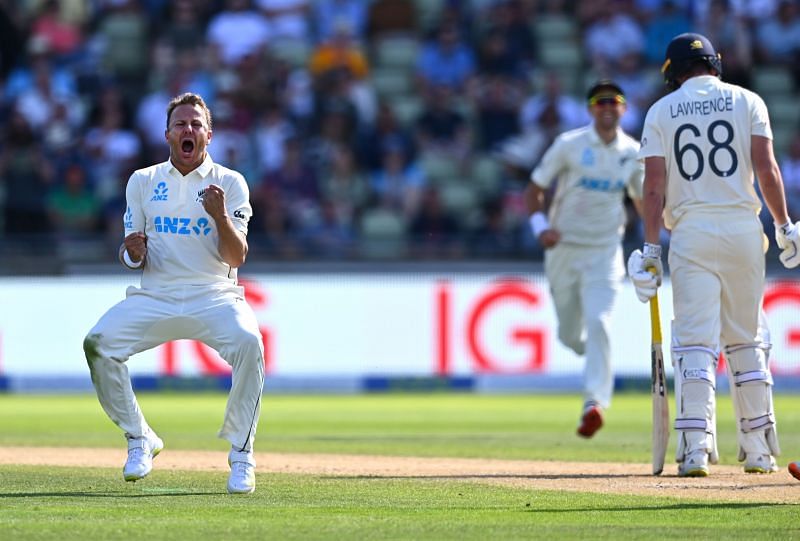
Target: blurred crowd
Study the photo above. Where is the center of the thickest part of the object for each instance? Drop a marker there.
(364, 128)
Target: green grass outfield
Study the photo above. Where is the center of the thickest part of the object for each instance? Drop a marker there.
(94, 503)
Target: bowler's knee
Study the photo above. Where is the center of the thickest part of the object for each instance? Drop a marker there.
(572, 340)
(249, 348)
(91, 348)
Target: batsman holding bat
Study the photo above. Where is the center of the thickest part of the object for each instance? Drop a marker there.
(595, 166)
(701, 144)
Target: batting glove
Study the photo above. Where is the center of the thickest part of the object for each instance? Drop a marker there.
(788, 238)
(646, 281)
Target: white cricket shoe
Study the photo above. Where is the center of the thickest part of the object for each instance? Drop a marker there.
(760, 464)
(141, 452)
(243, 472)
(695, 464)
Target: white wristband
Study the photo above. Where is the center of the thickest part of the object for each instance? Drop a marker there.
(539, 223)
(651, 251)
(129, 262)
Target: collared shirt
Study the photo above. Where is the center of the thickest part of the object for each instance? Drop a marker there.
(593, 177)
(703, 131)
(182, 239)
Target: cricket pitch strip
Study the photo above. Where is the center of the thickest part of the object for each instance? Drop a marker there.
(725, 483)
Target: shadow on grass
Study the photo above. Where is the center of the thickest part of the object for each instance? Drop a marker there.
(78, 494)
(660, 507)
(548, 477)
(465, 476)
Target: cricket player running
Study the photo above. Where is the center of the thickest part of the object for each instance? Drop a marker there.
(595, 167)
(185, 227)
(701, 144)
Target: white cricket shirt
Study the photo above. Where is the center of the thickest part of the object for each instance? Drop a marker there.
(181, 237)
(703, 131)
(593, 177)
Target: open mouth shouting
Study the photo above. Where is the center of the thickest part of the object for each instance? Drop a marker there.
(187, 148)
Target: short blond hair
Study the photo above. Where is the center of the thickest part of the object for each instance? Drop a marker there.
(189, 98)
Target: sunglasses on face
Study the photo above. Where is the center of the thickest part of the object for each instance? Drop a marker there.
(607, 100)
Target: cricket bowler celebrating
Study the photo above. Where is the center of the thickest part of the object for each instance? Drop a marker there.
(701, 144)
(595, 167)
(185, 227)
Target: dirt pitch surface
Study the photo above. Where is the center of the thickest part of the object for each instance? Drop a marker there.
(724, 483)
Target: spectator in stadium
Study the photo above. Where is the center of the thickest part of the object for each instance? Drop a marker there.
(337, 126)
(733, 39)
(10, 38)
(64, 37)
(274, 233)
(338, 52)
(328, 14)
(640, 90)
(493, 238)
(391, 18)
(779, 37)
(442, 130)
(663, 22)
(237, 31)
(326, 236)
(189, 243)
(593, 168)
(296, 183)
(612, 33)
(344, 187)
(72, 207)
(26, 176)
(398, 185)
(288, 19)
(184, 28)
(571, 113)
(433, 229)
(39, 88)
(114, 148)
(123, 30)
(233, 146)
(271, 131)
(508, 44)
(497, 102)
(386, 129)
(446, 61)
(340, 68)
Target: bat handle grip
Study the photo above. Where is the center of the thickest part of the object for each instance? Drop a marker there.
(655, 317)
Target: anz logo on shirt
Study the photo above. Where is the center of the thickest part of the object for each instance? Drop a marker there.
(181, 226)
(160, 193)
(601, 185)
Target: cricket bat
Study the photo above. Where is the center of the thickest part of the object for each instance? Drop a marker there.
(658, 390)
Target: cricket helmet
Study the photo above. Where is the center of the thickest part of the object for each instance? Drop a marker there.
(683, 52)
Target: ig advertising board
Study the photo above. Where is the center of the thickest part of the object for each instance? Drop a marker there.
(361, 325)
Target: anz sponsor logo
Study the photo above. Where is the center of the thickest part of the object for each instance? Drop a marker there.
(127, 220)
(601, 185)
(160, 193)
(181, 226)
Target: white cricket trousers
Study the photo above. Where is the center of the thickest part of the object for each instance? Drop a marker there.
(716, 265)
(584, 282)
(218, 317)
